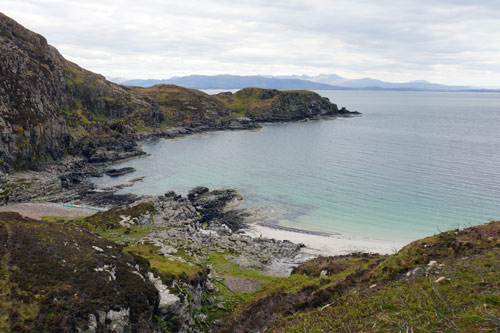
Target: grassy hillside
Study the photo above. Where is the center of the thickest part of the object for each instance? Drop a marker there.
(446, 283)
(53, 277)
(449, 282)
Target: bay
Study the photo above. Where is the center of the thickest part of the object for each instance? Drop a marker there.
(414, 164)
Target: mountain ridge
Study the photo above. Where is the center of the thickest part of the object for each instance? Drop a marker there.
(233, 82)
(284, 82)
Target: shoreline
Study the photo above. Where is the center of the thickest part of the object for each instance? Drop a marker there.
(315, 243)
(273, 225)
(323, 244)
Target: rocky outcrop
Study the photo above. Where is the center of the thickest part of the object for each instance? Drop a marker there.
(31, 77)
(218, 205)
(266, 105)
(119, 172)
(190, 223)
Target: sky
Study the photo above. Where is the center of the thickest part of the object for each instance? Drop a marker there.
(445, 41)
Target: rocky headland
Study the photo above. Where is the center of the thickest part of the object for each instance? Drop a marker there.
(51, 108)
(172, 263)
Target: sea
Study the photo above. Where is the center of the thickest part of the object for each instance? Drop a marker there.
(413, 165)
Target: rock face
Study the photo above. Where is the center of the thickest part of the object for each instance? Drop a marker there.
(59, 278)
(31, 92)
(51, 108)
(217, 205)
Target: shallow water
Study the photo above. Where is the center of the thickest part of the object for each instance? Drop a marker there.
(415, 163)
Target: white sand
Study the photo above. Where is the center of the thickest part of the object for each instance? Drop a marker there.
(328, 245)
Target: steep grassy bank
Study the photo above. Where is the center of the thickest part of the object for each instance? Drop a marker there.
(59, 278)
(447, 282)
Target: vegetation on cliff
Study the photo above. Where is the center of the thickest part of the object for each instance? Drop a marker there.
(274, 105)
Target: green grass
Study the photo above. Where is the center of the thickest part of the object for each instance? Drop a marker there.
(374, 293)
(107, 98)
(468, 301)
(246, 99)
(227, 267)
(168, 269)
(125, 235)
(74, 76)
(63, 219)
(301, 91)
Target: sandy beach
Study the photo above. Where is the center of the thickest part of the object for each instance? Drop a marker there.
(39, 210)
(327, 244)
(315, 243)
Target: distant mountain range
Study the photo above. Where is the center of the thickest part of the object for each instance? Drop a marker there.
(368, 83)
(319, 82)
(234, 82)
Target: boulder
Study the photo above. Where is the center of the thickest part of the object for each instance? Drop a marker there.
(119, 172)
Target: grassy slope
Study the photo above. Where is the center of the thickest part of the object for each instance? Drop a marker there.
(359, 292)
(191, 270)
(461, 292)
(246, 100)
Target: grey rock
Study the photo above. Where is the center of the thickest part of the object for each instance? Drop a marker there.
(118, 320)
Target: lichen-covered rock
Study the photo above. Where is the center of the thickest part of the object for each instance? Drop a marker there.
(168, 301)
(60, 278)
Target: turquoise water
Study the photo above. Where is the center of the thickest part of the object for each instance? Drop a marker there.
(415, 163)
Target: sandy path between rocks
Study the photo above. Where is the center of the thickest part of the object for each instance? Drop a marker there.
(39, 210)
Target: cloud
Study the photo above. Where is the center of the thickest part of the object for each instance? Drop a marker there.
(447, 41)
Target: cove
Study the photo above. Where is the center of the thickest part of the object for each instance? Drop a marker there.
(414, 164)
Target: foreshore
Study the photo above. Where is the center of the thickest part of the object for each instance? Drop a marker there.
(317, 244)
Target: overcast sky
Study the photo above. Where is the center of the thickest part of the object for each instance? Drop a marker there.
(444, 41)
